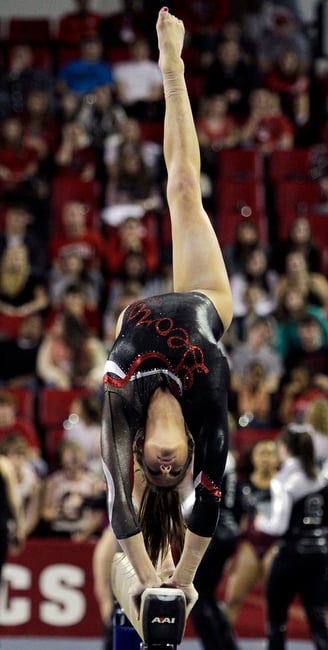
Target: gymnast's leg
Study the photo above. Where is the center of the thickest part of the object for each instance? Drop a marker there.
(123, 577)
(197, 258)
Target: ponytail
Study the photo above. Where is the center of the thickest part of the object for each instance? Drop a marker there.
(299, 443)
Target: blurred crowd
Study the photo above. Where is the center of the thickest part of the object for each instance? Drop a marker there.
(85, 228)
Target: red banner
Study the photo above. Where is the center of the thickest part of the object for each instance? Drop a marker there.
(48, 591)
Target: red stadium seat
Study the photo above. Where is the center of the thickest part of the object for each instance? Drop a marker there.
(152, 131)
(292, 165)
(25, 402)
(52, 442)
(237, 201)
(29, 30)
(195, 85)
(53, 407)
(118, 54)
(295, 199)
(240, 165)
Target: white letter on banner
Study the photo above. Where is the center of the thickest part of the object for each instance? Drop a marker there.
(15, 611)
(60, 584)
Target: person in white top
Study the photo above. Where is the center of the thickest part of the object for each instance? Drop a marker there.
(139, 83)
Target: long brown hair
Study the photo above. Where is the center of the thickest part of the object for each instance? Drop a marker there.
(160, 514)
(161, 521)
(300, 445)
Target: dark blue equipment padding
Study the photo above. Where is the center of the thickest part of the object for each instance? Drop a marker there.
(124, 637)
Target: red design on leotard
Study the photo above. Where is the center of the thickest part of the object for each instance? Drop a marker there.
(191, 359)
(205, 481)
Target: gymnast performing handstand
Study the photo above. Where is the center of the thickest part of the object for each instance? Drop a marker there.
(166, 380)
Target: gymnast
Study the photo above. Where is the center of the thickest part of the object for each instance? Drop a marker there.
(166, 379)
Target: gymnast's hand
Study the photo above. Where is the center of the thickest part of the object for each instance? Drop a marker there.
(137, 589)
(189, 591)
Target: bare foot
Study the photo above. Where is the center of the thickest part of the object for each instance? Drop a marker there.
(170, 33)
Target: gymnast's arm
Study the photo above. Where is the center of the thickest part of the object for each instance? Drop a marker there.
(210, 456)
(117, 457)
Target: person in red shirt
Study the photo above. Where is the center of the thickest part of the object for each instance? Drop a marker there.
(18, 161)
(74, 25)
(78, 237)
(11, 423)
(76, 155)
(266, 127)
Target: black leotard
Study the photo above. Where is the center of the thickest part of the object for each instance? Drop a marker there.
(170, 340)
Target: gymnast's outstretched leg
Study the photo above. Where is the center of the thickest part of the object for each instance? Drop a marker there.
(197, 259)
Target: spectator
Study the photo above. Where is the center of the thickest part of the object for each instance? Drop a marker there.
(83, 427)
(18, 228)
(12, 424)
(291, 308)
(216, 130)
(20, 79)
(313, 286)
(71, 270)
(19, 162)
(21, 291)
(287, 78)
(121, 293)
(283, 33)
(130, 136)
(256, 273)
(317, 419)
(82, 75)
(102, 117)
(265, 127)
(132, 237)
(132, 184)
(297, 392)
(75, 302)
(257, 347)
(231, 76)
(299, 517)
(78, 237)
(65, 491)
(238, 329)
(40, 128)
(70, 356)
(73, 26)
(122, 27)
(208, 614)
(18, 355)
(246, 239)
(310, 352)
(75, 156)
(300, 238)
(29, 483)
(254, 401)
(202, 20)
(256, 550)
(139, 83)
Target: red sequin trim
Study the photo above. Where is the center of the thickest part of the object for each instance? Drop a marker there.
(210, 486)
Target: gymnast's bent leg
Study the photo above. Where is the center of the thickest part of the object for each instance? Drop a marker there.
(162, 612)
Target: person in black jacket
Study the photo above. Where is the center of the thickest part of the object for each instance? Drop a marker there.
(299, 516)
(208, 614)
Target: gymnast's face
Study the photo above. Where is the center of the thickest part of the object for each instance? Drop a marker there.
(165, 456)
(165, 446)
